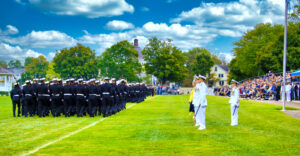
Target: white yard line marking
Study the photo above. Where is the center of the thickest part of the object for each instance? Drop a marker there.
(67, 135)
(72, 133)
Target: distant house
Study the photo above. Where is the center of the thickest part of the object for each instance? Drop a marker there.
(17, 72)
(6, 80)
(221, 71)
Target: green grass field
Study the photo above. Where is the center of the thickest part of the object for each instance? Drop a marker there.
(159, 126)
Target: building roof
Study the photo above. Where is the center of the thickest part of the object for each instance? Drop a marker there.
(224, 67)
(5, 71)
(16, 71)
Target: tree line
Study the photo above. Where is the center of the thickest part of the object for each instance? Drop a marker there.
(257, 52)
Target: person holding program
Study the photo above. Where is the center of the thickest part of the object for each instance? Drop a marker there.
(234, 102)
(200, 102)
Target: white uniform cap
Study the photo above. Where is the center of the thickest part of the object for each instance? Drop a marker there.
(234, 81)
(202, 77)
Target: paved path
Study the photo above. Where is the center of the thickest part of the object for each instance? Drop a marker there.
(292, 113)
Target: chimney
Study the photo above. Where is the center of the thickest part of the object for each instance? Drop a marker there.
(136, 42)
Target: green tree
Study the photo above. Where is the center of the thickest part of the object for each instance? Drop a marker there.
(295, 14)
(261, 50)
(120, 61)
(51, 73)
(203, 64)
(191, 57)
(37, 67)
(14, 64)
(164, 61)
(78, 62)
(3, 64)
(192, 54)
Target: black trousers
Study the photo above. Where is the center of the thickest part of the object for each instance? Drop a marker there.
(93, 100)
(67, 105)
(27, 106)
(16, 103)
(80, 104)
(106, 103)
(43, 105)
(99, 105)
(56, 106)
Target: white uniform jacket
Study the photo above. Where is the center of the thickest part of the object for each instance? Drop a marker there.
(199, 96)
(234, 97)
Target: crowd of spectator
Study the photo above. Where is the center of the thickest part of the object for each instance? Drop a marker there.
(167, 90)
(267, 87)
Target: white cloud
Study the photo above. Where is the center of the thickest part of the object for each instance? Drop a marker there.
(234, 18)
(43, 39)
(184, 36)
(10, 30)
(119, 25)
(88, 8)
(170, 1)
(227, 57)
(8, 52)
(145, 9)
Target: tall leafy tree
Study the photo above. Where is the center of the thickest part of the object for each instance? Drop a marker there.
(192, 54)
(14, 64)
(203, 64)
(51, 73)
(35, 67)
(191, 59)
(120, 61)
(261, 50)
(78, 62)
(164, 61)
(3, 64)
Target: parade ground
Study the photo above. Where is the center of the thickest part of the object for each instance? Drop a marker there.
(161, 125)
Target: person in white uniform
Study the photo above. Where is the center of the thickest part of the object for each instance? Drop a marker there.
(234, 102)
(288, 90)
(200, 102)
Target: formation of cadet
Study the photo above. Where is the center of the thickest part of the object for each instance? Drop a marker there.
(79, 97)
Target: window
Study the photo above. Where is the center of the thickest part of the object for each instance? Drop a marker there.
(221, 83)
(221, 75)
(216, 68)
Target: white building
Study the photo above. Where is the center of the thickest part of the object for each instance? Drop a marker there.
(222, 72)
(6, 80)
(17, 72)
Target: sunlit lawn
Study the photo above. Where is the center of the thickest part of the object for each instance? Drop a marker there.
(159, 126)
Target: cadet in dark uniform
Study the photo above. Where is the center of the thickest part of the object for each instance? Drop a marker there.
(15, 96)
(92, 93)
(73, 103)
(80, 98)
(43, 98)
(35, 98)
(99, 104)
(28, 98)
(106, 97)
(68, 95)
(56, 96)
(115, 96)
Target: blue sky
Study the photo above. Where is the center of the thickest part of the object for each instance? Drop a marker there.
(42, 27)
